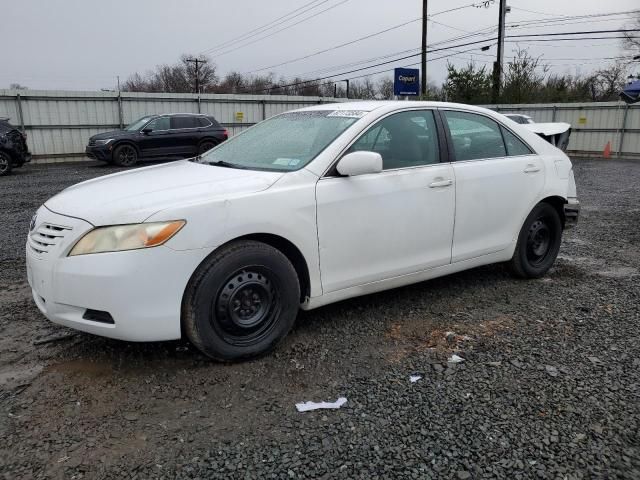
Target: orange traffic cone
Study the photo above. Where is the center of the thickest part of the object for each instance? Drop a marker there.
(607, 150)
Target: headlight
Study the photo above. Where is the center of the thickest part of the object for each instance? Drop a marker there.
(104, 142)
(126, 237)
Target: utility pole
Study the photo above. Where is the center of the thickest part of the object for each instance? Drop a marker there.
(347, 80)
(424, 48)
(197, 61)
(497, 66)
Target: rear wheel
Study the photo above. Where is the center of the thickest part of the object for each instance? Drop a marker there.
(5, 164)
(538, 242)
(205, 146)
(125, 156)
(241, 301)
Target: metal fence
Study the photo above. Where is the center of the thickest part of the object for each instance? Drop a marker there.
(593, 125)
(59, 123)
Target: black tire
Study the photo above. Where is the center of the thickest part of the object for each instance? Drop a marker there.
(538, 242)
(205, 146)
(125, 155)
(241, 301)
(5, 164)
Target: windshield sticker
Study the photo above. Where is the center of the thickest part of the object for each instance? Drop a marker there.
(348, 113)
(286, 162)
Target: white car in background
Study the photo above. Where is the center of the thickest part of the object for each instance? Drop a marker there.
(307, 208)
(556, 133)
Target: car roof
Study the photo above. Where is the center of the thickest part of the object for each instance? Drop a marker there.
(184, 114)
(371, 105)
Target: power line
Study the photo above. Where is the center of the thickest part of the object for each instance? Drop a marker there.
(266, 26)
(366, 37)
(370, 66)
(457, 46)
(564, 39)
(336, 46)
(585, 32)
(533, 11)
(282, 29)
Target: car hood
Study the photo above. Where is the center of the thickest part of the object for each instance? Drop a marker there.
(111, 134)
(133, 196)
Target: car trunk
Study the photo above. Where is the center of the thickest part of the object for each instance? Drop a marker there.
(557, 134)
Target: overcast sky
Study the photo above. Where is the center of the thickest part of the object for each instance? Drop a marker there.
(85, 44)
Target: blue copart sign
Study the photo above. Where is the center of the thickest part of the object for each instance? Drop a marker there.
(406, 81)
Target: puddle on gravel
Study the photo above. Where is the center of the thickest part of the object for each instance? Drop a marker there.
(619, 272)
(602, 268)
(81, 367)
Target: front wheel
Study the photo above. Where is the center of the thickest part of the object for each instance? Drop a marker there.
(241, 301)
(125, 156)
(538, 242)
(5, 164)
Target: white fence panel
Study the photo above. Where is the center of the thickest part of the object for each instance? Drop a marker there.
(59, 123)
(594, 125)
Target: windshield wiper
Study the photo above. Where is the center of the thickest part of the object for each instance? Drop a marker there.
(221, 163)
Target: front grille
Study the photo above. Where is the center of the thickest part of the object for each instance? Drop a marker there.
(47, 236)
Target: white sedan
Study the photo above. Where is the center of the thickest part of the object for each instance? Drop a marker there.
(307, 208)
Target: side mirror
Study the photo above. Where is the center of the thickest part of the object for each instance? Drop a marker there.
(147, 131)
(359, 163)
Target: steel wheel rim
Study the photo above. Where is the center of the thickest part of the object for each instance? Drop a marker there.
(247, 306)
(127, 156)
(539, 241)
(4, 164)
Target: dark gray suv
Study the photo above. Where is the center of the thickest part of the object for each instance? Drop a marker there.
(177, 135)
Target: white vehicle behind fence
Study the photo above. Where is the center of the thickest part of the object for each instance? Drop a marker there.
(556, 133)
(304, 209)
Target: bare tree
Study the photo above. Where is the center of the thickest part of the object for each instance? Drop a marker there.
(608, 82)
(385, 88)
(522, 77)
(17, 86)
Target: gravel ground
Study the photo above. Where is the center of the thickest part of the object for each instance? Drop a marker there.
(550, 385)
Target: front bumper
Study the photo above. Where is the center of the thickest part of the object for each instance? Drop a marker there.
(141, 290)
(571, 213)
(98, 152)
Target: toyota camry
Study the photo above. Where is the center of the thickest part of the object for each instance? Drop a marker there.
(304, 209)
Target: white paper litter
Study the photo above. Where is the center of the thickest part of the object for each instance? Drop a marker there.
(307, 406)
(455, 359)
(414, 378)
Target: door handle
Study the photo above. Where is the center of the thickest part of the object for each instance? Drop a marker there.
(441, 183)
(531, 168)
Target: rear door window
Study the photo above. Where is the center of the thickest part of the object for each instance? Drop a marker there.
(515, 146)
(203, 122)
(474, 136)
(178, 123)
